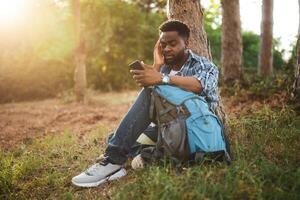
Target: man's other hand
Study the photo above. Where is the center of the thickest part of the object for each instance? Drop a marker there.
(146, 77)
(157, 56)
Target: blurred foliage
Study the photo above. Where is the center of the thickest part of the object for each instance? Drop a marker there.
(115, 39)
(251, 51)
(36, 57)
(291, 63)
(151, 5)
(212, 25)
(255, 87)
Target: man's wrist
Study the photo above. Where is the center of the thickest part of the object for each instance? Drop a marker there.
(166, 79)
(157, 66)
(159, 80)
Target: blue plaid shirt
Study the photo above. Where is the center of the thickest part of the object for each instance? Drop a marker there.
(205, 71)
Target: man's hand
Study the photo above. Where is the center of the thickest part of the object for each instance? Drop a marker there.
(157, 56)
(146, 77)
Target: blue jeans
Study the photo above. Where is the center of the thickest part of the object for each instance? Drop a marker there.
(135, 122)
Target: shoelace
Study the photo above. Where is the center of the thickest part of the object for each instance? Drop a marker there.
(90, 171)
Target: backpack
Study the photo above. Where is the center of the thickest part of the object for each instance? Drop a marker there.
(186, 126)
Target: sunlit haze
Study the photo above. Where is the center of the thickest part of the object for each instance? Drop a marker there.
(11, 11)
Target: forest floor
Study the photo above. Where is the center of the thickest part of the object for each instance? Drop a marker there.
(23, 121)
(45, 143)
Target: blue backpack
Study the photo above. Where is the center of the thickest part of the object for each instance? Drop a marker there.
(185, 123)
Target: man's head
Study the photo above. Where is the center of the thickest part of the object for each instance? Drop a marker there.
(174, 36)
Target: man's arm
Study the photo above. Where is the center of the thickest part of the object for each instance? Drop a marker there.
(188, 83)
(204, 80)
(150, 76)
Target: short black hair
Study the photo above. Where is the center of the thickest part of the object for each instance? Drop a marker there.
(175, 25)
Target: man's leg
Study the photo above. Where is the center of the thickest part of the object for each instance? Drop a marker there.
(132, 125)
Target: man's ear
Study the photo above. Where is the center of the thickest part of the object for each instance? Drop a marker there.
(186, 42)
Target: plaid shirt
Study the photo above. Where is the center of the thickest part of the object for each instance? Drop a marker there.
(207, 74)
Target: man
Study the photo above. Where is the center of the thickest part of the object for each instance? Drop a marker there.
(173, 64)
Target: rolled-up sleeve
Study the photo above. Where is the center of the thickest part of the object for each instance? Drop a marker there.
(207, 73)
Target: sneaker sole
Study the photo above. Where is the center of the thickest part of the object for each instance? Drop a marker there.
(117, 175)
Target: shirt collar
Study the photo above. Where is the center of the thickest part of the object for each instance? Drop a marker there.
(191, 56)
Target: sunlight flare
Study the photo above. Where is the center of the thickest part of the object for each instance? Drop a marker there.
(11, 10)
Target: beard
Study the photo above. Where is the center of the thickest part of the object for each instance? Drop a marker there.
(174, 59)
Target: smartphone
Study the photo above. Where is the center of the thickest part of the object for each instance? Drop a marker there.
(137, 65)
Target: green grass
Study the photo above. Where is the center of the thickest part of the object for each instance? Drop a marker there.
(265, 143)
(43, 168)
(266, 147)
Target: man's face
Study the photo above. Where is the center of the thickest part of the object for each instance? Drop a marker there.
(172, 46)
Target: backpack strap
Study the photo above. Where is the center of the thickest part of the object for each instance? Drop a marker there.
(152, 106)
(166, 110)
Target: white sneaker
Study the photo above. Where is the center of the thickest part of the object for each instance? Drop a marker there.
(137, 162)
(99, 173)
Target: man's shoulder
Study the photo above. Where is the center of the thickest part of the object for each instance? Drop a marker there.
(202, 62)
(200, 59)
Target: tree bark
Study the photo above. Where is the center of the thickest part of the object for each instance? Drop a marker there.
(296, 87)
(191, 13)
(265, 66)
(232, 47)
(299, 17)
(79, 55)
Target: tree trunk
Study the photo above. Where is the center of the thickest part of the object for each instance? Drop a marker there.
(265, 66)
(299, 17)
(79, 55)
(191, 13)
(296, 87)
(232, 49)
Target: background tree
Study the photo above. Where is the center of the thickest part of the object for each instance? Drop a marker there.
(79, 55)
(299, 17)
(191, 13)
(232, 50)
(265, 65)
(296, 86)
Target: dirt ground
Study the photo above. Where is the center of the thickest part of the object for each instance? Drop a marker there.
(26, 120)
